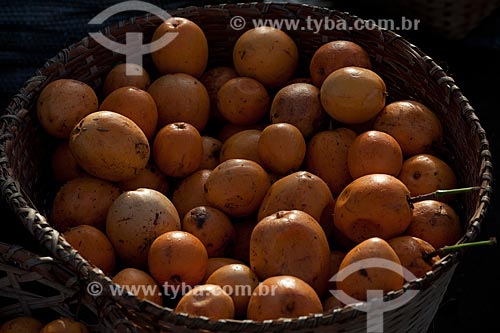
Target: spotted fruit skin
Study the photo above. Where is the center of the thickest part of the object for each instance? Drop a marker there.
(293, 243)
(237, 187)
(373, 205)
(110, 146)
(372, 274)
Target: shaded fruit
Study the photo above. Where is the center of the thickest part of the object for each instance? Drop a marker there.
(190, 192)
(65, 325)
(426, 173)
(62, 104)
(176, 258)
(299, 104)
(136, 104)
(212, 227)
(24, 324)
(377, 273)
(300, 190)
(237, 187)
(211, 152)
(83, 200)
(243, 101)
(243, 145)
(334, 55)
(326, 157)
(63, 165)
(135, 219)
(208, 300)
(331, 303)
(178, 149)
(413, 253)
(436, 222)
(283, 296)
(187, 50)
(215, 263)
(374, 152)
(239, 246)
(150, 177)
(353, 95)
(110, 146)
(336, 257)
(180, 97)
(291, 242)
(266, 54)
(139, 283)
(213, 79)
(238, 281)
(119, 76)
(373, 205)
(416, 128)
(229, 130)
(281, 148)
(93, 245)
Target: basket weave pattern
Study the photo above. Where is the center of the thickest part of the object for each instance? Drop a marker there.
(408, 73)
(38, 286)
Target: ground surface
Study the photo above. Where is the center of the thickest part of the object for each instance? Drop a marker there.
(471, 300)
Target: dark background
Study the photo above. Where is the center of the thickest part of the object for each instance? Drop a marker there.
(470, 303)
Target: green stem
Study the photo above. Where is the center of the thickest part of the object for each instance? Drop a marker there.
(441, 193)
(452, 248)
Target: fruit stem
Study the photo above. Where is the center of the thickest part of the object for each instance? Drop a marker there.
(452, 248)
(441, 193)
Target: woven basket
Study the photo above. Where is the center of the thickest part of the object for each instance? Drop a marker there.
(408, 72)
(41, 287)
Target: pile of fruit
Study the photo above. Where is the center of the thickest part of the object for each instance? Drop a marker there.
(239, 191)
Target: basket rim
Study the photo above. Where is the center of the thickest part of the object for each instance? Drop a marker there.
(37, 224)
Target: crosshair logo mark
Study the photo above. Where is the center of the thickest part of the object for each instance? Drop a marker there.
(375, 306)
(133, 49)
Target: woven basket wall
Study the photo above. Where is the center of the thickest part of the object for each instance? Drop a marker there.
(41, 287)
(408, 72)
